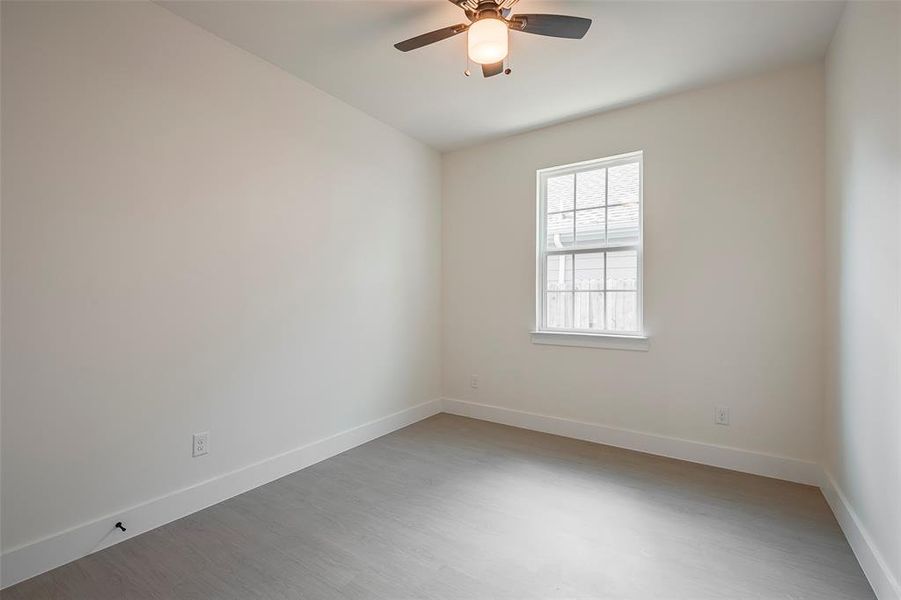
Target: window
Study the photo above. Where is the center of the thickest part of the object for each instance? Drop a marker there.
(590, 247)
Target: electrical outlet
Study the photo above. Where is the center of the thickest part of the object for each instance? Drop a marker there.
(474, 381)
(721, 415)
(201, 443)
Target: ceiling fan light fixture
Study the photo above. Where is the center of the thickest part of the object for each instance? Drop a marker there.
(487, 41)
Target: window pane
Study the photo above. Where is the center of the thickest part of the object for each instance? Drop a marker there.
(622, 270)
(589, 310)
(560, 231)
(590, 188)
(622, 311)
(558, 310)
(622, 227)
(560, 272)
(623, 183)
(590, 271)
(560, 193)
(590, 227)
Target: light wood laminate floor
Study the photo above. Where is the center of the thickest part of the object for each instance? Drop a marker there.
(456, 508)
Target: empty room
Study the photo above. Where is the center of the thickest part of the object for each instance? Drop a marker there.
(450, 299)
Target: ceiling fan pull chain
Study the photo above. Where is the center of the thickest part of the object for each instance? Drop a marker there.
(509, 57)
(466, 70)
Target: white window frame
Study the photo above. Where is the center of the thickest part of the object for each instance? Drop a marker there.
(542, 334)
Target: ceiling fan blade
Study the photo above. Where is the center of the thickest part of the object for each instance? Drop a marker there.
(493, 69)
(430, 38)
(561, 26)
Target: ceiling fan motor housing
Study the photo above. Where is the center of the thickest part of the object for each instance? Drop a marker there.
(488, 10)
(482, 9)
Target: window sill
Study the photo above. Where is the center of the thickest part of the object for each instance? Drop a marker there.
(591, 340)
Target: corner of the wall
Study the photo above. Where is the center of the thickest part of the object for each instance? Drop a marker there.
(879, 573)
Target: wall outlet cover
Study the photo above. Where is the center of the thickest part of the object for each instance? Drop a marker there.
(201, 443)
(721, 415)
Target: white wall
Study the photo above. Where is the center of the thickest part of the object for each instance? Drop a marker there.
(193, 240)
(733, 269)
(863, 194)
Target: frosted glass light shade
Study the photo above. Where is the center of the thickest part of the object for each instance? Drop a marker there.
(487, 41)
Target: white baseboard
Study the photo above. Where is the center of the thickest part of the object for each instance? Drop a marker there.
(736, 459)
(32, 559)
(884, 582)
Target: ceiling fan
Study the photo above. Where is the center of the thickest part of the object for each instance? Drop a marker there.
(489, 22)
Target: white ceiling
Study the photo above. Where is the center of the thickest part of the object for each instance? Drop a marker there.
(635, 50)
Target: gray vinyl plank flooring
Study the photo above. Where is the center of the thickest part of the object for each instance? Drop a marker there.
(454, 508)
